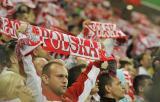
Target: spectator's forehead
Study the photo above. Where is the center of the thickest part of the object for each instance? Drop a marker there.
(58, 69)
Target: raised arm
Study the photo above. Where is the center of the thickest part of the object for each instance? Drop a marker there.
(81, 89)
(33, 80)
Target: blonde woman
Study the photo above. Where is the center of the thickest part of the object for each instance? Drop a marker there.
(13, 89)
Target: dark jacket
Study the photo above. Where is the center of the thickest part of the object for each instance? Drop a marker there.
(106, 99)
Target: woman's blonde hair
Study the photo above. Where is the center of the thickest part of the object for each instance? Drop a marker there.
(8, 84)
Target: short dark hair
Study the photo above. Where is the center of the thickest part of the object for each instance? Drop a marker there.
(112, 67)
(4, 58)
(21, 10)
(139, 81)
(10, 47)
(6, 51)
(74, 72)
(46, 68)
(104, 79)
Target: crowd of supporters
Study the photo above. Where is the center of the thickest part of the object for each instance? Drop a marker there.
(40, 76)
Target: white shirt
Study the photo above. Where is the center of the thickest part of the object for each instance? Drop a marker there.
(143, 71)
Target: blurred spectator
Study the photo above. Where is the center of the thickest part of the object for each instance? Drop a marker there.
(39, 63)
(156, 66)
(24, 13)
(142, 85)
(10, 48)
(127, 64)
(126, 82)
(94, 96)
(145, 61)
(40, 52)
(4, 58)
(13, 88)
(153, 94)
(4, 38)
(110, 89)
(74, 72)
(8, 55)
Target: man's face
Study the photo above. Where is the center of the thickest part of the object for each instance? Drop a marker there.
(132, 71)
(146, 61)
(58, 79)
(117, 90)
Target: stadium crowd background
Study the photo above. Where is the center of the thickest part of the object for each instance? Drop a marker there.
(50, 77)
